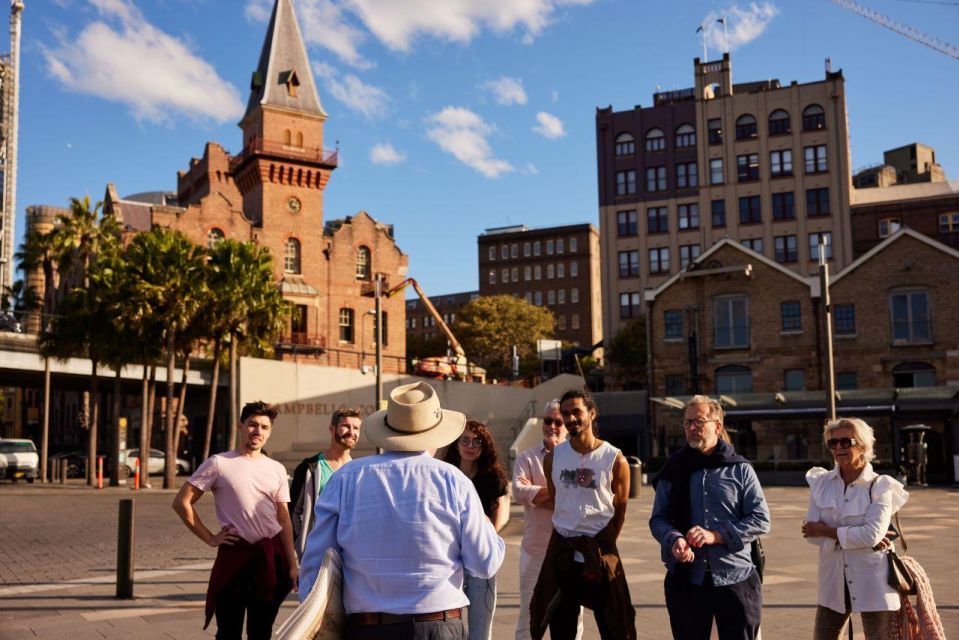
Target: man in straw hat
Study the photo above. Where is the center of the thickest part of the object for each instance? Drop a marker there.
(406, 526)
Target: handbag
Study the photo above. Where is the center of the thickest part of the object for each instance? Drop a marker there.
(899, 577)
(758, 556)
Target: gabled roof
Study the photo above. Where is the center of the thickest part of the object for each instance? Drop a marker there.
(905, 231)
(283, 61)
(812, 283)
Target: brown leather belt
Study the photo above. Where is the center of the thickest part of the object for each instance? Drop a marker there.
(372, 619)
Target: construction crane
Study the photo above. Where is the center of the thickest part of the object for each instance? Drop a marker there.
(437, 366)
(913, 34)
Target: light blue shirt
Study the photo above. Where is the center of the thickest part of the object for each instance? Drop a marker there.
(405, 525)
(727, 499)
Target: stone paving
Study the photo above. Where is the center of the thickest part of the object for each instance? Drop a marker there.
(58, 555)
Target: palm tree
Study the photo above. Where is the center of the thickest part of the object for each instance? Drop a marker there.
(82, 235)
(251, 307)
(168, 273)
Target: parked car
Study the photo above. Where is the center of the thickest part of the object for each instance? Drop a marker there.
(156, 462)
(18, 459)
(9, 322)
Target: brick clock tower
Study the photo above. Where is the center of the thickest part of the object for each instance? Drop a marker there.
(271, 193)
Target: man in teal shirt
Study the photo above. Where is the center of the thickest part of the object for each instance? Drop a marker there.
(314, 472)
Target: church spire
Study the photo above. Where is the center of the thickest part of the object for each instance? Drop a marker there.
(283, 77)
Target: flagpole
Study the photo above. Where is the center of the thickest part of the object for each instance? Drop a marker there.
(725, 36)
(702, 28)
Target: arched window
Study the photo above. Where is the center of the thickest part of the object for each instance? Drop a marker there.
(734, 379)
(214, 237)
(813, 118)
(779, 123)
(746, 127)
(363, 263)
(287, 137)
(685, 136)
(914, 374)
(655, 140)
(624, 144)
(299, 139)
(291, 256)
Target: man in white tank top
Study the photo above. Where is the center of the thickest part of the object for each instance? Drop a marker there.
(588, 480)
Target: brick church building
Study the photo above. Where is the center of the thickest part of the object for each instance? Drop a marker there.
(271, 193)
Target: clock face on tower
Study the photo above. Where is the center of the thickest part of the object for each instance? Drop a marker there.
(294, 204)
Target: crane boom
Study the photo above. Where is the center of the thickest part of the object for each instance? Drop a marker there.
(454, 343)
(913, 34)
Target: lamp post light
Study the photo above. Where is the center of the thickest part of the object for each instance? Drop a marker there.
(827, 310)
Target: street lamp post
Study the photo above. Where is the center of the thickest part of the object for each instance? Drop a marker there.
(827, 309)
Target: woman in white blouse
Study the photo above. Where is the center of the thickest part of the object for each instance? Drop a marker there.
(849, 512)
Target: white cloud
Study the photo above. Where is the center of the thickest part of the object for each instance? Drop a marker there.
(507, 90)
(134, 63)
(368, 99)
(742, 25)
(463, 134)
(323, 70)
(258, 10)
(342, 26)
(384, 153)
(531, 169)
(555, 96)
(549, 126)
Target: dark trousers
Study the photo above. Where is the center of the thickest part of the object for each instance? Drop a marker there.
(452, 629)
(237, 599)
(564, 623)
(737, 608)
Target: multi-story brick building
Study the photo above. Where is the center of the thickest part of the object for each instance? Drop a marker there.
(909, 189)
(556, 266)
(271, 193)
(741, 326)
(420, 322)
(762, 163)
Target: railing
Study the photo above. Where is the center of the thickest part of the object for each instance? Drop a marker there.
(528, 413)
(316, 155)
(296, 339)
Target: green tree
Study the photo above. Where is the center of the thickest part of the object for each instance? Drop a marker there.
(82, 235)
(249, 312)
(490, 326)
(628, 353)
(168, 283)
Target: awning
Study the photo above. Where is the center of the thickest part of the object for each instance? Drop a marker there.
(798, 404)
(296, 286)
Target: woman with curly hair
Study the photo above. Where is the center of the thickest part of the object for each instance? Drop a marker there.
(476, 456)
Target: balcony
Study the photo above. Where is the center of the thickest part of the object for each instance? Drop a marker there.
(324, 158)
(297, 342)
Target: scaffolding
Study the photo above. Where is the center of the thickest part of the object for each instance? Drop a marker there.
(9, 125)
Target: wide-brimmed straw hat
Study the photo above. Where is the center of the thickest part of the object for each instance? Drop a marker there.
(413, 421)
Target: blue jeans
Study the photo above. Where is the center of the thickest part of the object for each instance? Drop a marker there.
(482, 597)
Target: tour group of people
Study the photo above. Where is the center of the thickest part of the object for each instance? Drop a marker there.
(418, 534)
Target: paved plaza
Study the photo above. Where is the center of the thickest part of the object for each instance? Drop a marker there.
(58, 558)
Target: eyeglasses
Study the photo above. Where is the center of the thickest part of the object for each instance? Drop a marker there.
(843, 443)
(466, 441)
(699, 422)
(551, 421)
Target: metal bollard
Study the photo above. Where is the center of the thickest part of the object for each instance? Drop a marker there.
(125, 549)
(64, 465)
(99, 472)
(136, 475)
(54, 468)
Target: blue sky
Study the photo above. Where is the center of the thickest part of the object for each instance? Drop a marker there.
(453, 115)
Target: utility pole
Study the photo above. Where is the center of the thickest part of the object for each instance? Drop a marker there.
(827, 311)
(379, 347)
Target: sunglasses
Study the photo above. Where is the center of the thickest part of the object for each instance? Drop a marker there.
(699, 422)
(841, 443)
(549, 422)
(466, 441)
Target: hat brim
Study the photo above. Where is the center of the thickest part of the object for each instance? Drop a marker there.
(450, 427)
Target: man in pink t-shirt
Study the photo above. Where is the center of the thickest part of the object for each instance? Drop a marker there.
(255, 565)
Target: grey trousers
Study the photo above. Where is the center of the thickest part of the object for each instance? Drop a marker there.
(877, 625)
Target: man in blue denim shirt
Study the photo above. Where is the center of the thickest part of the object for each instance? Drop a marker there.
(709, 507)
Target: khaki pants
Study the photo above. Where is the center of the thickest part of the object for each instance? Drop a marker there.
(877, 625)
